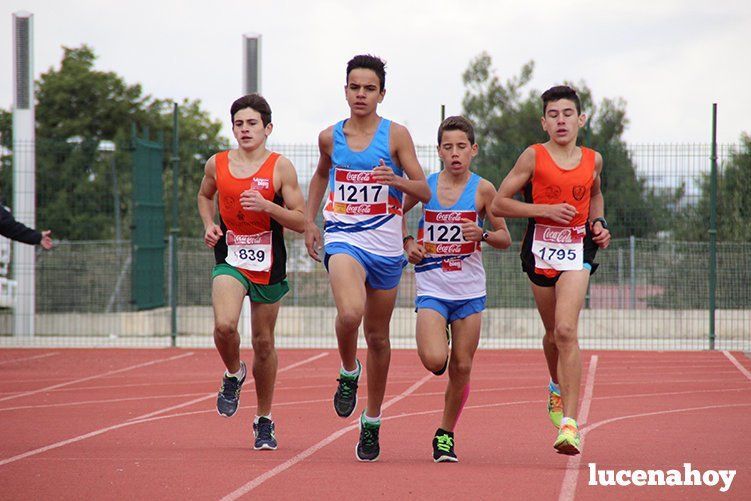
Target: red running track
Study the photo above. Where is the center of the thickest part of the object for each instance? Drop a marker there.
(124, 424)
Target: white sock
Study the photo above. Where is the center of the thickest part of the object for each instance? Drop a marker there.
(371, 420)
(237, 375)
(255, 419)
(568, 420)
(555, 387)
(353, 373)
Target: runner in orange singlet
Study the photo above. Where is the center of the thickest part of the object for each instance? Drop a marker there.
(565, 207)
(258, 196)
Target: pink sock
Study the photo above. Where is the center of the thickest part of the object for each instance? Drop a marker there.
(465, 396)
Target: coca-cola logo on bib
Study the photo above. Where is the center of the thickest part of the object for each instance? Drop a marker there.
(359, 209)
(561, 236)
(358, 177)
(448, 217)
(448, 249)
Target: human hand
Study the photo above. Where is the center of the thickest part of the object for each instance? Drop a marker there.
(560, 213)
(313, 240)
(212, 235)
(470, 231)
(254, 201)
(46, 242)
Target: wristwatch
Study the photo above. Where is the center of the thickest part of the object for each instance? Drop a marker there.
(602, 221)
(485, 235)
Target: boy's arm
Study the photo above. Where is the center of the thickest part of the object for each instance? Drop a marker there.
(504, 204)
(415, 252)
(414, 184)
(16, 230)
(291, 214)
(206, 207)
(601, 235)
(316, 191)
(500, 238)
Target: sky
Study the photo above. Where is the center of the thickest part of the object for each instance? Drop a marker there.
(668, 59)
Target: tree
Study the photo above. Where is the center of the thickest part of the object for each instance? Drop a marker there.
(79, 107)
(733, 201)
(507, 120)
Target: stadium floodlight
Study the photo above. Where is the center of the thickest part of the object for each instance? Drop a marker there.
(251, 63)
(24, 170)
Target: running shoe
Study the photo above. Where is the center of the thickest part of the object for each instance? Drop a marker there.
(555, 406)
(263, 431)
(345, 398)
(229, 393)
(368, 448)
(443, 447)
(568, 440)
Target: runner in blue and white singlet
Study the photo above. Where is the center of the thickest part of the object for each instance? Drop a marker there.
(452, 268)
(360, 211)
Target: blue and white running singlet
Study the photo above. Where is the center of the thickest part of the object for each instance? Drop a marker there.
(360, 211)
(452, 268)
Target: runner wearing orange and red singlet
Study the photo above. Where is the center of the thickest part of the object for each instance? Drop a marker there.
(565, 208)
(258, 195)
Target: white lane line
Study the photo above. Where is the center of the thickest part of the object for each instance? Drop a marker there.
(130, 422)
(35, 357)
(735, 362)
(89, 378)
(568, 487)
(241, 491)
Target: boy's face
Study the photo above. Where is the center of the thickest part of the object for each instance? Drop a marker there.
(456, 151)
(248, 129)
(363, 91)
(562, 122)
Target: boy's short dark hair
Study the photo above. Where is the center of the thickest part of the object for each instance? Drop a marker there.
(254, 101)
(368, 62)
(457, 123)
(560, 92)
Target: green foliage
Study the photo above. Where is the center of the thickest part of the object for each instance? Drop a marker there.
(507, 120)
(78, 107)
(733, 201)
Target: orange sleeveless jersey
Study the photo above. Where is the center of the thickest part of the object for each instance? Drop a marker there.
(551, 184)
(234, 217)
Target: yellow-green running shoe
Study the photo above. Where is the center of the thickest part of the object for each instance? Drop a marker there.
(568, 440)
(555, 406)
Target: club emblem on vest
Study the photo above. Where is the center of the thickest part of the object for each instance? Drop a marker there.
(578, 191)
(260, 183)
(553, 191)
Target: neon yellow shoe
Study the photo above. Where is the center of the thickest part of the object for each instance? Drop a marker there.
(555, 407)
(568, 440)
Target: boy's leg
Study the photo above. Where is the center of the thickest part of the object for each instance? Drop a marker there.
(379, 306)
(465, 338)
(569, 291)
(347, 278)
(545, 301)
(227, 295)
(432, 346)
(263, 320)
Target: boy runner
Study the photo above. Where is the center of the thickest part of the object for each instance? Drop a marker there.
(258, 196)
(449, 273)
(363, 162)
(565, 207)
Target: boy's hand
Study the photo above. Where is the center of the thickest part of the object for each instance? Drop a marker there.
(415, 252)
(313, 240)
(385, 174)
(560, 213)
(46, 242)
(600, 235)
(470, 231)
(212, 235)
(253, 200)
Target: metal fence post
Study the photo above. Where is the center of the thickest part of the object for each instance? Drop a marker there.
(632, 265)
(175, 226)
(713, 230)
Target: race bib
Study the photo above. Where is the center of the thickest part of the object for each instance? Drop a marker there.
(356, 192)
(559, 248)
(249, 252)
(442, 232)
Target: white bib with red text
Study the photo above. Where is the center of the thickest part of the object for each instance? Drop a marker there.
(559, 247)
(357, 193)
(249, 252)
